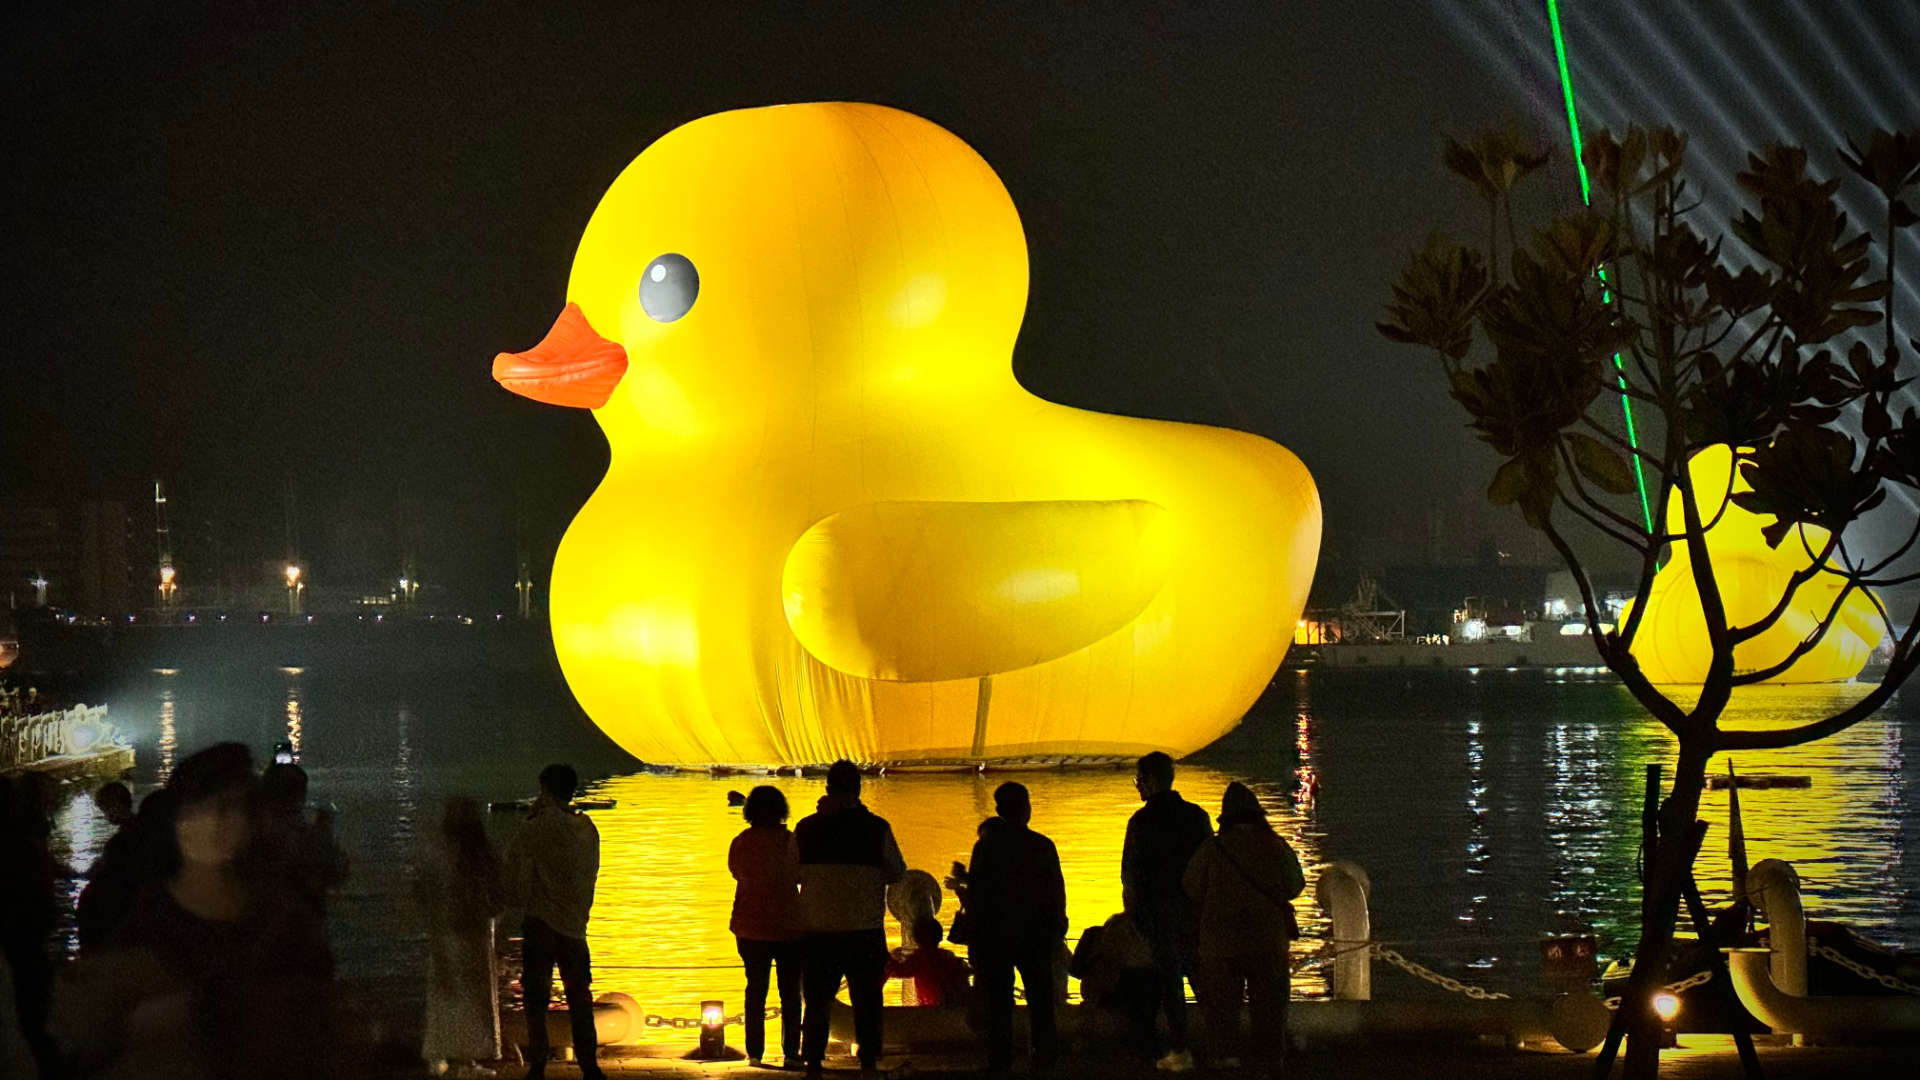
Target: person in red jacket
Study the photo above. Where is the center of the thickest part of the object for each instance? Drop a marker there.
(938, 976)
(766, 919)
(1017, 900)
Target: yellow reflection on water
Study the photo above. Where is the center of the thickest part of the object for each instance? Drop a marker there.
(169, 738)
(1836, 832)
(659, 926)
(295, 729)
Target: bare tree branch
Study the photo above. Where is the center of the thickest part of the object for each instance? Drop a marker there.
(1630, 534)
(1650, 559)
(1800, 577)
(1912, 537)
(1618, 443)
(1805, 646)
(1904, 662)
(1613, 652)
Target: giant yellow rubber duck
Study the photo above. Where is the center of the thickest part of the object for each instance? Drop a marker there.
(1671, 644)
(834, 525)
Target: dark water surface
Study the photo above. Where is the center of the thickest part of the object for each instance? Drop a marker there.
(1488, 809)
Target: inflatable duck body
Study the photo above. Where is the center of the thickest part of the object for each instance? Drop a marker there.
(1671, 644)
(834, 525)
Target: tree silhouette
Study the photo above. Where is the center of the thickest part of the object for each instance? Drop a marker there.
(1765, 363)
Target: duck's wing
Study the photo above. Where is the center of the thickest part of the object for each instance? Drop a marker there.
(932, 591)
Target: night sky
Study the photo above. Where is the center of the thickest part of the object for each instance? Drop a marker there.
(247, 244)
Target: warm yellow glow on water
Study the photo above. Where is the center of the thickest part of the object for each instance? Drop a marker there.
(1489, 809)
(660, 915)
(1840, 821)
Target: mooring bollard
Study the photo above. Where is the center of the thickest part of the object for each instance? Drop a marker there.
(1774, 888)
(1342, 892)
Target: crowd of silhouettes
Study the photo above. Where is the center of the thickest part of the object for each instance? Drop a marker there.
(1211, 909)
(201, 945)
(202, 951)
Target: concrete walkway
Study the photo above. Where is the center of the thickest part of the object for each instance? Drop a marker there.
(1699, 1058)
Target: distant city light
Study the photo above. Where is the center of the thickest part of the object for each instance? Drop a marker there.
(293, 575)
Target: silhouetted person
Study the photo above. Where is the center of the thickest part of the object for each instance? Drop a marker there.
(766, 919)
(215, 972)
(937, 976)
(461, 888)
(115, 803)
(1114, 964)
(302, 852)
(1161, 837)
(1243, 881)
(552, 864)
(847, 859)
(28, 908)
(126, 862)
(1018, 904)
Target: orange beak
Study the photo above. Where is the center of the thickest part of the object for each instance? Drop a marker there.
(572, 365)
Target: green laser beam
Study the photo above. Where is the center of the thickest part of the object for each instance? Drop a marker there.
(1586, 198)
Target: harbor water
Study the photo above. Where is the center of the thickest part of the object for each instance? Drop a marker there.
(1489, 809)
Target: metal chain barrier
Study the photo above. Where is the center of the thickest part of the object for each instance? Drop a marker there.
(1680, 987)
(1862, 970)
(1445, 982)
(655, 1020)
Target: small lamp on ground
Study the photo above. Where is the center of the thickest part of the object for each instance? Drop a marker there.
(713, 1029)
(1666, 1005)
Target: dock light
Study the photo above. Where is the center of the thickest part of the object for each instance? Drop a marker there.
(713, 1029)
(1667, 1005)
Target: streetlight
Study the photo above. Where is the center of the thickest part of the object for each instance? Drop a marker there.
(294, 588)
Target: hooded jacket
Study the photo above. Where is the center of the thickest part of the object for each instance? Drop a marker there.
(1242, 882)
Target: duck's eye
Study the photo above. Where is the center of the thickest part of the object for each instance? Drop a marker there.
(668, 287)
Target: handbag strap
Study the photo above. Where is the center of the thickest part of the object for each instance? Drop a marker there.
(1258, 886)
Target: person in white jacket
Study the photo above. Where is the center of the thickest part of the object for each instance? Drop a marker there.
(552, 864)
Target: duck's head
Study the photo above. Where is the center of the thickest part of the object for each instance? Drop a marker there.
(1732, 528)
(753, 270)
